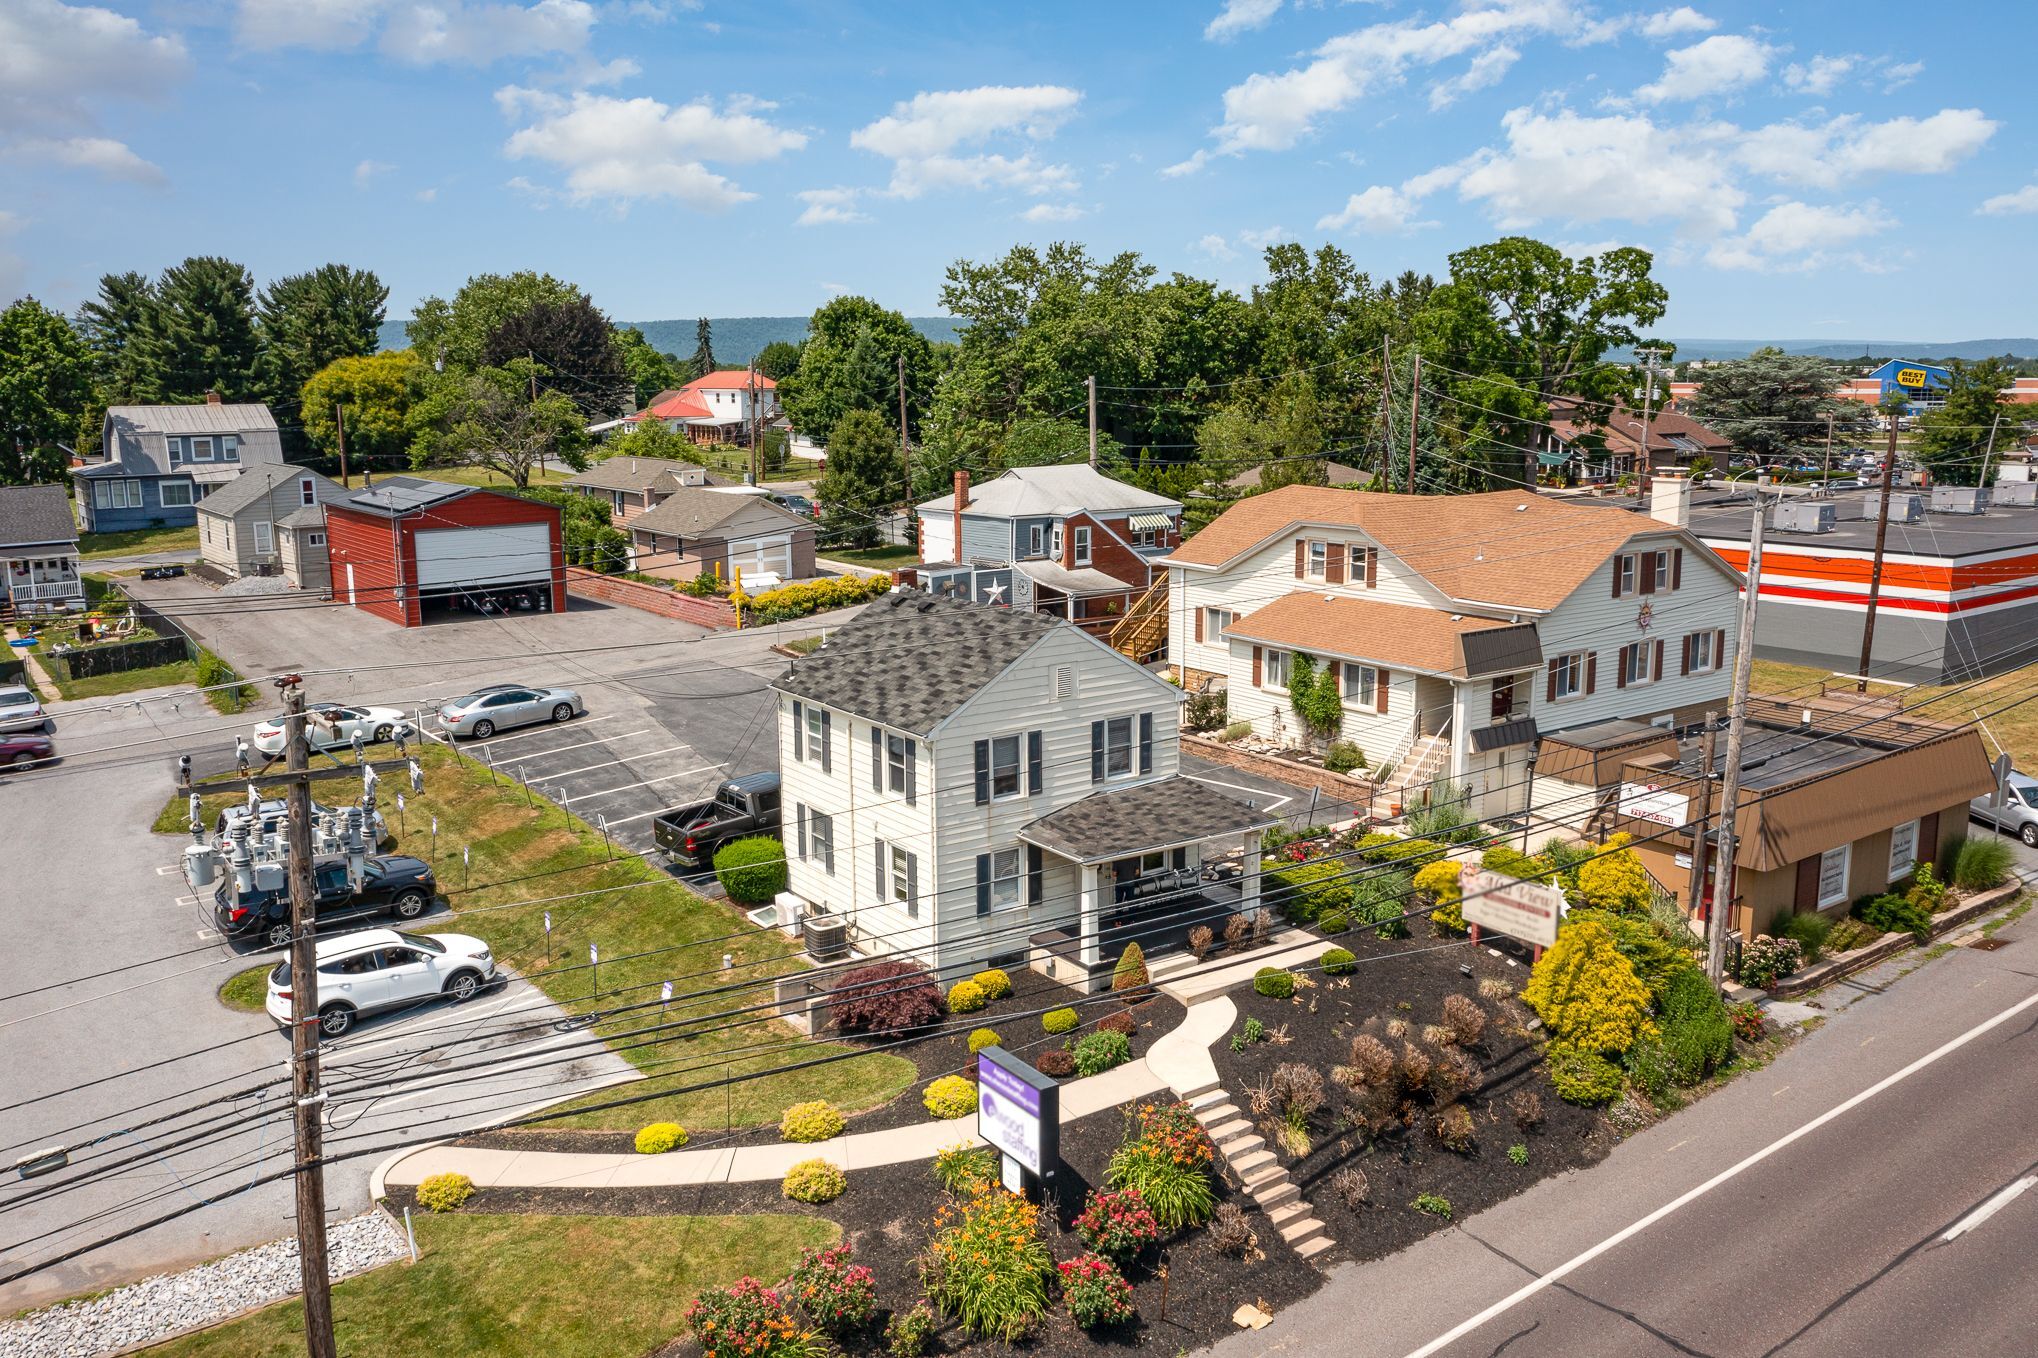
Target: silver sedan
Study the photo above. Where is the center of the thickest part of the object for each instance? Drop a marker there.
(2019, 812)
(501, 706)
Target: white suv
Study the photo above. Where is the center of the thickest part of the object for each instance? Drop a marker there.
(360, 973)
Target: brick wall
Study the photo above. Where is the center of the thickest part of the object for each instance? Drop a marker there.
(1356, 793)
(650, 599)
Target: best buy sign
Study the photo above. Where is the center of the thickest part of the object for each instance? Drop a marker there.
(1911, 377)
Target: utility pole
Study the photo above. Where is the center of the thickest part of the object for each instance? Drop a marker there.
(1414, 417)
(1648, 357)
(1737, 727)
(1695, 893)
(1386, 410)
(308, 1100)
(533, 357)
(905, 452)
(1827, 475)
(756, 463)
(340, 423)
(1993, 425)
(1875, 570)
(1093, 421)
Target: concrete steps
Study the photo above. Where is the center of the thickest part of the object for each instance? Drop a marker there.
(1259, 1171)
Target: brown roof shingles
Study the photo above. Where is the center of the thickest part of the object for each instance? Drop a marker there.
(1393, 635)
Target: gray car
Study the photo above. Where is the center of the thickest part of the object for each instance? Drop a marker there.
(501, 706)
(19, 710)
(2019, 811)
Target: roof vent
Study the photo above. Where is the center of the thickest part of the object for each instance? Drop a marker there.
(1520, 508)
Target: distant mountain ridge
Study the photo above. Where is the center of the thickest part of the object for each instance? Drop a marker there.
(737, 339)
(1845, 349)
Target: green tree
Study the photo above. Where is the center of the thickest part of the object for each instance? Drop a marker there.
(863, 478)
(651, 372)
(45, 380)
(1042, 442)
(574, 349)
(308, 321)
(113, 324)
(850, 361)
(453, 336)
(201, 336)
(779, 359)
(1774, 406)
(649, 438)
(378, 394)
(703, 361)
(1280, 432)
(487, 418)
(1953, 439)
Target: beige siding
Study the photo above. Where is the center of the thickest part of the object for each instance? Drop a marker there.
(239, 552)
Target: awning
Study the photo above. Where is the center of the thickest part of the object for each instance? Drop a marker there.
(1150, 523)
(1553, 459)
(1508, 734)
(1145, 819)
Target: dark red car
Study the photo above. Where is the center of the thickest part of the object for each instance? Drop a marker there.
(25, 749)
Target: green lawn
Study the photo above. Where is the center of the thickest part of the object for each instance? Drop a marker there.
(246, 990)
(552, 475)
(2016, 728)
(522, 853)
(137, 541)
(529, 1287)
(178, 673)
(877, 558)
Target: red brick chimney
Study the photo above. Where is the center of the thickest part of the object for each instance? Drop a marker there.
(211, 397)
(961, 502)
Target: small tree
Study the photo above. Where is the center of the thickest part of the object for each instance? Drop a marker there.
(1615, 880)
(751, 869)
(1588, 993)
(1129, 978)
(863, 478)
(1314, 694)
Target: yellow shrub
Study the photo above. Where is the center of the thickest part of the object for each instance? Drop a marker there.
(996, 984)
(966, 997)
(951, 1096)
(816, 1121)
(1439, 881)
(814, 1181)
(661, 1137)
(1615, 880)
(1587, 993)
(445, 1192)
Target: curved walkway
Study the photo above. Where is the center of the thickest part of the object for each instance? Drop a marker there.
(1178, 1060)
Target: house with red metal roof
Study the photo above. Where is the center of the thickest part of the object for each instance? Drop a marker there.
(717, 408)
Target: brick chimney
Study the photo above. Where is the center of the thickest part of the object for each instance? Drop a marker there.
(211, 397)
(961, 503)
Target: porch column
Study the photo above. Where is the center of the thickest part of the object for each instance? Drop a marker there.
(1091, 914)
(1461, 731)
(1249, 882)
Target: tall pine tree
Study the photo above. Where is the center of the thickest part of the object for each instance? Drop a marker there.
(309, 320)
(201, 335)
(703, 361)
(114, 324)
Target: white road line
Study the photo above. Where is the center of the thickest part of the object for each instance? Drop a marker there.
(554, 777)
(641, 815)
(547, 754)
(547, 727)
(648, 782)
(1254, 792)
(1990, 1208)
(1580, 1260)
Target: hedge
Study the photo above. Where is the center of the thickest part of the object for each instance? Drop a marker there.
(751, 869)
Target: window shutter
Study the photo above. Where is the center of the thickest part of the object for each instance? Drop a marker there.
(826, 738)
(983, 884)
(1096, 751)
(799, 730)
(913, 885)
(877, 760)
(1684, 663)
(1620, 676)
(1550, 684)
(1656, 668)
(1036, 780)
(1334, 564)
(1807, 897)
(1676, 568)
(1372, 568)
(1181, 860)
(1036, 876)
(912, 772)
(802, 817)
(983, 758)
(1380, 690)
(1591, 673)
(1928, 838)
(1199, 624)
(1301, 558)
(883, 876)
(1335, 669)
(1616, 576)
(1719, 648)
(1146, 742)
(1647, 570)
(1256, 667)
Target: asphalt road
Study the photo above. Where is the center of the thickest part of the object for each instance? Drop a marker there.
(1874, 1191)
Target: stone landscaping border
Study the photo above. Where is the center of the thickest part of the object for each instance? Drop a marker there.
(1354, 792)
(1889, 945)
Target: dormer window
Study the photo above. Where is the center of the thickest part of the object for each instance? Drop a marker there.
(1319, 560)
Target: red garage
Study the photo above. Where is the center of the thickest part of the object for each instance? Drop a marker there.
(407, 547)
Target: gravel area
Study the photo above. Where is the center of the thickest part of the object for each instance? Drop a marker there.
(257, 584)
(157, 1308)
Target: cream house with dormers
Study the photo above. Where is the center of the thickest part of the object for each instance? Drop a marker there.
(966, 784)
(1461, 629)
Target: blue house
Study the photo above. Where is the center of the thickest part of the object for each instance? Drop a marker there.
(155, 463)
(1924, 385)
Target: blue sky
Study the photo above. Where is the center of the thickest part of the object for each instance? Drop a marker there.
(1805, 171)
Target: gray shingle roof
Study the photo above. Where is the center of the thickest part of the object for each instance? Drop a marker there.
(35, 514)
(255, 482)
(909, 660)
(1143, 819)
(306, 516)
(696, 511)
(1052, 490)
(635, 473)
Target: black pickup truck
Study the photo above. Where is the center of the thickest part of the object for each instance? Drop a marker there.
(394, 883)
(690, 834)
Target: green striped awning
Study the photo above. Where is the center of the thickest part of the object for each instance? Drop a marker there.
(1150, 523)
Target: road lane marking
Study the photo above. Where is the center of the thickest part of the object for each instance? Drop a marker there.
(607, 763)
(1990, 1208)
(1778, 1093)
(648, 782)
(1622, 1236)
(545, 729)
(1254, 792)
(546, 754)
(1866, 1040)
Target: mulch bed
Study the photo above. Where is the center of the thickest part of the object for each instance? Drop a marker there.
(885, 1214)
(1406, 980)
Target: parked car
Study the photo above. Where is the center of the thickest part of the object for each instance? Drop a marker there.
(501, 706)
(690, 834)
(360, 973)
(394, 884)
(2019, 811)
(26, 749)
(270, 816)
(331, 726)
(798, 504)
(20, 711)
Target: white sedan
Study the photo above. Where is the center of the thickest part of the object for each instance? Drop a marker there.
(331, 726)
(375, 969)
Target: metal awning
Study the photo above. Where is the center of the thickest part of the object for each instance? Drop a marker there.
(1148, 818)
(1150, 523)
(1553, 459)
(1508, 734)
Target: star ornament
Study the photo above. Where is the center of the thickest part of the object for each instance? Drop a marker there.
(1645, 616)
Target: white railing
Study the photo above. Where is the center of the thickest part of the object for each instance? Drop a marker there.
(57, 589)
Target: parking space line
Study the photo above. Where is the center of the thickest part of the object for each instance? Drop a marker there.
(548, 729)
(542, 754)
(624, 759)
(642, 815)
(609, 792)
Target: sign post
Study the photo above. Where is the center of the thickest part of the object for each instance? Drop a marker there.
(1019, 1113)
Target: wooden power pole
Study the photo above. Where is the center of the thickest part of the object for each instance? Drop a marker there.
(1695, 893)
(906, 453)
(1875, 569)
(1093, 424)
(756, 428)
(1414, 417)
(308, 1100)
(340, 423)
(1648, 357)
(1737, 728)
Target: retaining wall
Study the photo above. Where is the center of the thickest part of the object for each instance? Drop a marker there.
(1355, 794)
(1889, 945)
(665, 603)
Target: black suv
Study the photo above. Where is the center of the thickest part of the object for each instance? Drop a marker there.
(394, 883)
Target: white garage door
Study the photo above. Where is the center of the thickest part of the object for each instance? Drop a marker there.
(498, 555)
(773, 553)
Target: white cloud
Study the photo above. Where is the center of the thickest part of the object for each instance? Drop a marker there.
(1719, 65)
(830, 207)
(1240, 16)
(103, 155)
(2024, 200)
(922, 135)
(1485, 70)
(420, 32)
(1260, 240)
(1215, 246)
(365, 172)
(1053, 212)
(1376, 211)
(1672, 23)
(1799, 236)
(1621, 167)
(58, 63)
(1821, 75)
(625, 149)
(1842, 149)
(1896, 75)
(427, 195)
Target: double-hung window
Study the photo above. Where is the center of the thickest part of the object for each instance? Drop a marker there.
(1036, 540)
(814, 737)
(1356, 571)
(176, 448)
(1006, 771)
(1623, 575)
(1274, 670)
(1659, 569)
(201, 450)
(1215, 623)
(904, 872)
(1055, 552)
(1082, 546)
(821, 840)
(116, 495)
(1567, 675)
(264, 537)
(176, 494)
(1319, 560)
(895, 762)
(1117, 747)
(1360, 684)
(1703, 660)
(1008, 873)
(306, 493)
(230, 449)
(1636, 663)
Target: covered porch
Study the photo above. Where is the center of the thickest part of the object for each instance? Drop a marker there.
(36, 582)
(1152, 862)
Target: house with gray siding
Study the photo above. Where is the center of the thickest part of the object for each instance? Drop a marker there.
(38, 552)
(155, 464)
(301, 543)
(240, 524)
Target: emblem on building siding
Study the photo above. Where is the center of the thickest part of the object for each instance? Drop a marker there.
(1645, 616)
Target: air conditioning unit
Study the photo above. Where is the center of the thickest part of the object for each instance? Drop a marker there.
(1902, 508)
(1959, 500)
(826, 937)
(2015, 493)
(1805, 516)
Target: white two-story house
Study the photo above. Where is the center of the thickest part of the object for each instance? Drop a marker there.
(967, 784)
(1461, 630)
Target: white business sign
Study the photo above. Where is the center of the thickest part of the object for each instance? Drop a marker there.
(1527, 911)
(1018, 1110)
(1646, 801)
